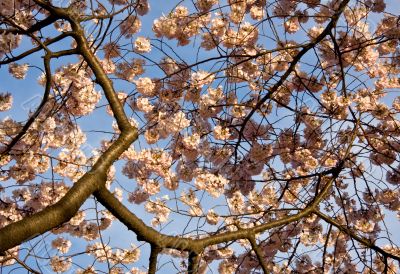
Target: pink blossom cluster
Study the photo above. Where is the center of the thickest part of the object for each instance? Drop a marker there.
(281, 103)
(78, 87)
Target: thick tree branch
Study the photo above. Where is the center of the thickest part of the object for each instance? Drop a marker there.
(152, 236)
(194, 262)
(312, 190)
(259, 254)
(101, 77)
(67, 207)
(143, 232)
(155, 250)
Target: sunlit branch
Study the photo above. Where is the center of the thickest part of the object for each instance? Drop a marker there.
(259, 254)
(67, 206)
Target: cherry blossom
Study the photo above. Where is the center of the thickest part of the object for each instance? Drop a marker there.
(225, 136)
(18, 71)
(142, 45)
(6, 101)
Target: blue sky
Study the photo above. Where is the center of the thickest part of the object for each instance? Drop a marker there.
(27, 95)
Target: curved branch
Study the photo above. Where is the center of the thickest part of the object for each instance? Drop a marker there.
(152, 236)
(84, 49)
(67, 206)
(38, 26)
(36, 49)
(101, 78)
(33, 117)
(247, 233)
(143, 231)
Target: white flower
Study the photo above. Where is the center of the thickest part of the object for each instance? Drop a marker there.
(191, 142)
(145, 86)
(212, 218)
(144, 105)
(179, 122)
(61, 244)
(221, 133)
(213, 184)
(6, 101)
(59, 264)
(18, 71)
(142, 45)
(201, 78)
